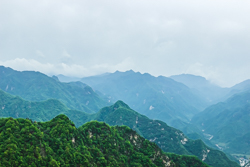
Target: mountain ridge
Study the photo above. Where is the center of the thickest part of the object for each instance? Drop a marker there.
(167, 138)
(58, 142)
(156, 97)
(35, 86)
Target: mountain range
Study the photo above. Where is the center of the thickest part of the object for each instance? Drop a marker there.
(211, 92)
(35, 86)
(159, 98)
(200, 109)
(227, 123)
(167, 138)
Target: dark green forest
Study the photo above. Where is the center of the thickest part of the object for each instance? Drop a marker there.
(58, 142)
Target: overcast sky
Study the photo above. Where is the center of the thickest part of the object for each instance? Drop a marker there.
(80, 38)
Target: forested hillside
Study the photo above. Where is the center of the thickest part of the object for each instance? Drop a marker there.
(58, 142)
(227, 123)
(167, 138)
(16, 107)
(35, 86)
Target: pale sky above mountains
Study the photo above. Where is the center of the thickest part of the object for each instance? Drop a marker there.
(80, 38)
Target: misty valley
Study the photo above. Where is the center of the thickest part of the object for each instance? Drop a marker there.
(122, 119)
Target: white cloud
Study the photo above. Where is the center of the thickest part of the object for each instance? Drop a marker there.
(22, 64)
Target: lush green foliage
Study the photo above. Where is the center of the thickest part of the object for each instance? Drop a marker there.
(59, 143)
(35, 86)
(167, 138)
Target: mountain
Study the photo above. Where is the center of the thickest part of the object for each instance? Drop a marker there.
(59, 143)
(240, 145)
(227, 123)
(167, 138)
(35, 86)
(211, 93)
(16, 107)
(156, 97)
(240, 87)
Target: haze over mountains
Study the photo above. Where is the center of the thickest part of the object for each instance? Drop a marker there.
(167, 138)
(228, 122)
(211, 93)
(159, 98)
(201, 110)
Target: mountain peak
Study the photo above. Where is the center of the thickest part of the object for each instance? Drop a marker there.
(55, 78)
(130, 71)
(120, 104)
(63, 119)
(189, 76)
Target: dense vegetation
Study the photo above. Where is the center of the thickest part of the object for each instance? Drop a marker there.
(167, 138)
(36, 86)
(59, 143)
(16, 107)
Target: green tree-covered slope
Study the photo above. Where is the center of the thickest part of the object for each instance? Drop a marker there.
(59, 143)
(227, 122)
(35, 86)
(159, 98)
(16, 107)
(240, 145)
(167, 138)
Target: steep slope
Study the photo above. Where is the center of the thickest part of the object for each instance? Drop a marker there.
(59, 143)
(240, 87)
(156, 97)
(202, 87)
(167, 138)
(16, 107)
(240, 145)
(227, 122)
(35, 86)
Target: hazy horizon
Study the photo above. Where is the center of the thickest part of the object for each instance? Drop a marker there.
(78, 78)
(83, 38)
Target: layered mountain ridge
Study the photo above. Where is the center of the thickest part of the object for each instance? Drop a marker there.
(159, 98)
(35, 86)
(167, 138)
(228, 123)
